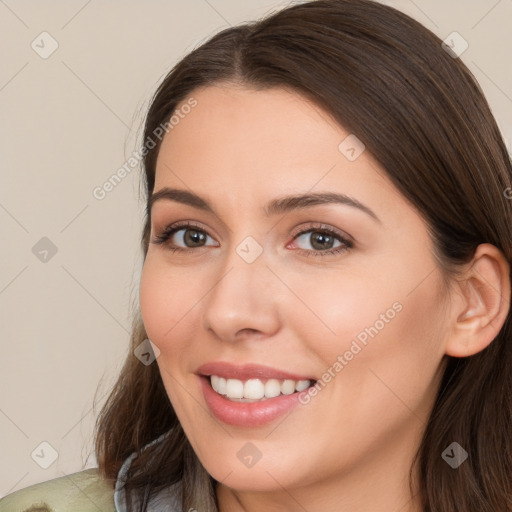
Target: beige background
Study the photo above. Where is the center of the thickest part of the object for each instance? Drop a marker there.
(68, 123)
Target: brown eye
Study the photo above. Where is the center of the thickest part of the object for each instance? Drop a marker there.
(192, 237)
(322, 241)
(183, 237)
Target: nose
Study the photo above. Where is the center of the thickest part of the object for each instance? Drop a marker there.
(243, 300)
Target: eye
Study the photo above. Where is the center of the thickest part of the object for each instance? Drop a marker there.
(323, 240)
(182, 237)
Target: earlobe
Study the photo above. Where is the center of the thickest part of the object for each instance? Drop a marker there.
(484, 304)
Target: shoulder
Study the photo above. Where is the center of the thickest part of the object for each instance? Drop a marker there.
(84, 491)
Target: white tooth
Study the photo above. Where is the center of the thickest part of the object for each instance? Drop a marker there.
(234, 388)
(302, 385)
(288, 387)
(272, 388)
(222, 386)
(254, 389)
(214, 380)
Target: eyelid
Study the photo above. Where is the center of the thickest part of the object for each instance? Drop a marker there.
(295, 233)
(320, 226)
(170, 230)
(344, 238)
(181, 224)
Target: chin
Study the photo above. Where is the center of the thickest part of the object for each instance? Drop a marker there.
(262, 479)
(238, 464)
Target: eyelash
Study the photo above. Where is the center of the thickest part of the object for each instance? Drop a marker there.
(169, 231)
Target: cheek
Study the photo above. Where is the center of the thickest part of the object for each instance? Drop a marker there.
(167, 299)
(381, 320)
(396, 370)
(337, 310)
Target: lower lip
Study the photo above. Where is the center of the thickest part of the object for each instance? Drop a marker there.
(247, 414)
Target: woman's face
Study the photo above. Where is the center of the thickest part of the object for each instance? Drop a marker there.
(271, 294)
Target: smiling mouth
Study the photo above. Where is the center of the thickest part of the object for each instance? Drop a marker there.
(256, 390)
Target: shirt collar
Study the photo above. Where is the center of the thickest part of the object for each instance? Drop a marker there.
(167, 500)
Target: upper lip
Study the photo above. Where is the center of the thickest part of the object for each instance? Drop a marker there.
(247, 371)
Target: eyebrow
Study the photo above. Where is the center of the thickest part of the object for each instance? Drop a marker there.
(277, 206)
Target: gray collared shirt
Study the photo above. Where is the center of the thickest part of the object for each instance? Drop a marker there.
(167, 500)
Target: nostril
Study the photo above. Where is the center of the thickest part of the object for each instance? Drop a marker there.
(247, 332)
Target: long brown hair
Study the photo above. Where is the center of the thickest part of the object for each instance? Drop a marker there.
(419, 111)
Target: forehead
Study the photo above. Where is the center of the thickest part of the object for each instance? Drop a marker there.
(247, 123)
(257, 144)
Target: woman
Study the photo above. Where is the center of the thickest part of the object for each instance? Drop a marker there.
(371, 376)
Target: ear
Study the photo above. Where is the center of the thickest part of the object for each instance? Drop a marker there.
(481, 308)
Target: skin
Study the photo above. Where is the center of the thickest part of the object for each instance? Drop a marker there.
(350, 448)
